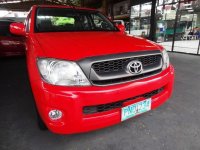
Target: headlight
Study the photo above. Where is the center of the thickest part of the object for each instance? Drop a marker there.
(165, 59)
(59, 72)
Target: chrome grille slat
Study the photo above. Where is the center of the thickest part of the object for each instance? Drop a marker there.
(125, 79)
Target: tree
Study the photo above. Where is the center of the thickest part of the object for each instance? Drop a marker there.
(74, 2)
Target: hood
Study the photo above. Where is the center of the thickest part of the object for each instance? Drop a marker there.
(78, 45)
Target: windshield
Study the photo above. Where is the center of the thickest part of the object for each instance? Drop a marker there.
(66, 19)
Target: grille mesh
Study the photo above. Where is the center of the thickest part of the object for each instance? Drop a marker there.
(118, 104)
(119, 65)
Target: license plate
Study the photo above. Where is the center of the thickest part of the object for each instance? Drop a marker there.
(135, 109)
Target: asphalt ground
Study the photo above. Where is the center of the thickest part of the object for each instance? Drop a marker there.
(173, 126)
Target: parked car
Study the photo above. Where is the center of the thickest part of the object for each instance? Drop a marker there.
(86, 75)
(10, 45)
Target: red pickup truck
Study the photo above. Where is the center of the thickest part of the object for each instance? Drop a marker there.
(10, 45)
(85, 74)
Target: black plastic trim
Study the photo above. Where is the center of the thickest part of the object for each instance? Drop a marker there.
(86, 65)
(118, 104)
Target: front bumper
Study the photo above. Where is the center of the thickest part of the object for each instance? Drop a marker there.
(71, 100)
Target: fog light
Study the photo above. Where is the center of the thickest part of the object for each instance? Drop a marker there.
(55, 114)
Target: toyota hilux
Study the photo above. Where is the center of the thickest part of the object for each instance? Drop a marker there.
(86, 74)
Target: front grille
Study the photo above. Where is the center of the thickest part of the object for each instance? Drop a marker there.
(118, 104)
(119, 65)
(113, 69)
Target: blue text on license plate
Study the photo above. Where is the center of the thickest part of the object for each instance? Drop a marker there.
(135, 109)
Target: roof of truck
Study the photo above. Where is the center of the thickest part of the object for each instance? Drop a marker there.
(65, 6)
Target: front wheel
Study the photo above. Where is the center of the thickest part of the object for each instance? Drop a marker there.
(40, 122)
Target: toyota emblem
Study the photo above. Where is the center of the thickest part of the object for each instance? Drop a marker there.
(135, 67)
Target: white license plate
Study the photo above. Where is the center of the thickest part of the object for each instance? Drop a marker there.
(135, 109)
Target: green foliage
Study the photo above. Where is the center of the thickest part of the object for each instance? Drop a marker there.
(61, 21)
(74, 2)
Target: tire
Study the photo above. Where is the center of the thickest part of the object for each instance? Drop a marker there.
(40, 122)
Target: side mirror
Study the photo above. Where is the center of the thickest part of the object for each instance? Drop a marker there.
(17, 29)
(121, 28)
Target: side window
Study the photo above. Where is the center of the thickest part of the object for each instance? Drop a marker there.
(85, 22)
(100, 23)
